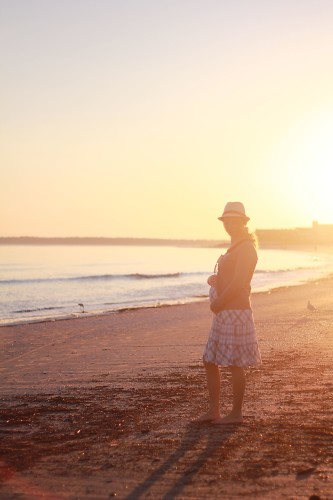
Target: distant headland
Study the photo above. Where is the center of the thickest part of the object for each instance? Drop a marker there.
(317, 234)
(34, 240)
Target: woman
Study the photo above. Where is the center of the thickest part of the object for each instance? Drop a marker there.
(232, 339)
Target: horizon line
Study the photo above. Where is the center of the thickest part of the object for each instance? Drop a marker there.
(105, 240)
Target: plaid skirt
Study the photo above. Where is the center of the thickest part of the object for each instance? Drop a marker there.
(232, 338)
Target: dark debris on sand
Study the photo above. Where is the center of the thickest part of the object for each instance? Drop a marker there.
(139, 435)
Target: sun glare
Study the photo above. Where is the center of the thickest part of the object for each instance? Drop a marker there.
(305, 160)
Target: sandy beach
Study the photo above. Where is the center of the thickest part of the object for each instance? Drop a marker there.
(100, 407)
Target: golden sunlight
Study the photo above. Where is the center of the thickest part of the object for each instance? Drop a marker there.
(305, 161)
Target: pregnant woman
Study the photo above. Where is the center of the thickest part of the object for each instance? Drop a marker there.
(232, 339)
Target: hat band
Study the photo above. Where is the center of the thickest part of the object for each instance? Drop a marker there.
(234, 212)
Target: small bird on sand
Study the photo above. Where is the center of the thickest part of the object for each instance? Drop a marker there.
(311, 307)
(82, 307)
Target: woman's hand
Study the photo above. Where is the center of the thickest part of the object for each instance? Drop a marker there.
(212, 280)
(215, 306)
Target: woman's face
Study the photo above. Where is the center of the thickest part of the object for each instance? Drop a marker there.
(234, 226)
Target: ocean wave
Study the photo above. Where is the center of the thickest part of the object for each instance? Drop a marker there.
(101, 277)
(139, 276)
(286, 270)
(38, 309)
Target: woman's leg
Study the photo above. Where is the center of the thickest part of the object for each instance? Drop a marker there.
(238, 389)
(214, 390)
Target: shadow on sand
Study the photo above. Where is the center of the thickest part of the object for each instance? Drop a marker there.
(194, 437)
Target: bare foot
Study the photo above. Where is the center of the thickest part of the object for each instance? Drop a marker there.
(228, 419)
(207, 417)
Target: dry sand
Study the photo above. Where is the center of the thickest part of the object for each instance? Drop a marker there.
(100, 407)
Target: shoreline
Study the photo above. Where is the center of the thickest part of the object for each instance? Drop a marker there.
(66, 312)
(92, 314)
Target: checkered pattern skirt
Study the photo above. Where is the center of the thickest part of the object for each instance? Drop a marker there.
(232, 338)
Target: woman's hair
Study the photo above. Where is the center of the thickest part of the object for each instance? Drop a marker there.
(252, 236)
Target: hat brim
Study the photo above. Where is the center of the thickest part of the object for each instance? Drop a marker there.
(242, 217)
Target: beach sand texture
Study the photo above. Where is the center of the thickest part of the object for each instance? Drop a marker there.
(99, 407)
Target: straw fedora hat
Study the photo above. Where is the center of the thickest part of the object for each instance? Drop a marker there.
(234, 209)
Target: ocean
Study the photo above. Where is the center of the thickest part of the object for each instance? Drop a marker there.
(40, 283)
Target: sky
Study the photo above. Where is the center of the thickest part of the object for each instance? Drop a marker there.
(142, 118)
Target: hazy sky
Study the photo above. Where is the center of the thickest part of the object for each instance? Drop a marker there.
(143, 118)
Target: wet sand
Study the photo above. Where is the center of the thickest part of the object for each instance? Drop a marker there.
(100, 407)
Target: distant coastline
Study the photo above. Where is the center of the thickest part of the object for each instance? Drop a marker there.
(318, 236)
(33, 240)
